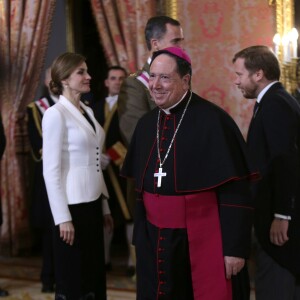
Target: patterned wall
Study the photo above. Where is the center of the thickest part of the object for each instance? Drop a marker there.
(214, 32)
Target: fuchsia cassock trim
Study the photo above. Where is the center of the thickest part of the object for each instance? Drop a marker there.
(198, 213)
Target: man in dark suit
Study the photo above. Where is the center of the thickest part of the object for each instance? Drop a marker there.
(296, 92)
(106, 114)
(41, 216)
(274, 141)
(3, 293)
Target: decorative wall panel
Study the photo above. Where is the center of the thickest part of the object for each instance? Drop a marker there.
(214, 32)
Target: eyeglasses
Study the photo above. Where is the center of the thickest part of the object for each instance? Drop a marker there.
(164, 78)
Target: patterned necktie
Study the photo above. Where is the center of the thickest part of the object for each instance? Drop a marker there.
(255, 109)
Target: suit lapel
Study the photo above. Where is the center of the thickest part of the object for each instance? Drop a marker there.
(276, 86)
(93, 119)
(108, 116)
(78, 116)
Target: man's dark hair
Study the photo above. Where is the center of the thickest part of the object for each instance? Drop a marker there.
(183, 67)
(260, 58)
(156, 28)
(116, 67)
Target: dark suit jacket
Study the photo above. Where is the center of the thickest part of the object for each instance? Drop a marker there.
(40, 213)
(34, 124)
(296, 94)
(113, 135)
(274, 142)
(2, 148)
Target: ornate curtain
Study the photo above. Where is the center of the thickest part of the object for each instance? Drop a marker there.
(24, 32)
(121, 29)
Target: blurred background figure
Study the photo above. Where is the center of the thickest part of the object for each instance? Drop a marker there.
(135, 100)
(296, 93)
(72, 146)
(3, 293)
(41, 218)
(105, 112)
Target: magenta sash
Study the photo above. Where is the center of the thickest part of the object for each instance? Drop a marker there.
(199, 214)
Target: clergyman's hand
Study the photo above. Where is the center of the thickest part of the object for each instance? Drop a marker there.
(233, 265)
(278, 232)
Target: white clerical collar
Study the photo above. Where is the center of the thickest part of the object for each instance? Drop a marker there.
(149, 60)
(167, 110)
(111, 101)
(265, 89)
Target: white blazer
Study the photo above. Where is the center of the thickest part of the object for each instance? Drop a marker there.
(71, 158)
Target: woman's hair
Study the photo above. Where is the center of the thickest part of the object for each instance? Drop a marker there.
(62, 68)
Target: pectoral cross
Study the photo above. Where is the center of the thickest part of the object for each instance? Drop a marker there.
(160, 174)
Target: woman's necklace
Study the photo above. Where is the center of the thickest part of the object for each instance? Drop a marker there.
(75, 102)
(160, 172)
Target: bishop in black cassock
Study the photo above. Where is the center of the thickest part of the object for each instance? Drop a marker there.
(194, 211)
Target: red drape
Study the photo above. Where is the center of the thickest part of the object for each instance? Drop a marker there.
(24, 32)
(121, 27)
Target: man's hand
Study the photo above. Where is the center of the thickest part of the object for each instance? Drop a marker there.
(278, 232)
(233, 265)
(105, 161)
(108, 222)
(67, 232)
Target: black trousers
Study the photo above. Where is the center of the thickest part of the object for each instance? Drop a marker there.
(80, 272)
(47, 272)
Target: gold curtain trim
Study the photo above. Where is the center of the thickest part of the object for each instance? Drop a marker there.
(285, 14)
(69, 26)
(172, 9)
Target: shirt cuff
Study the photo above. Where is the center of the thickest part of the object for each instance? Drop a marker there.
(105, 207)
(282, 217)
